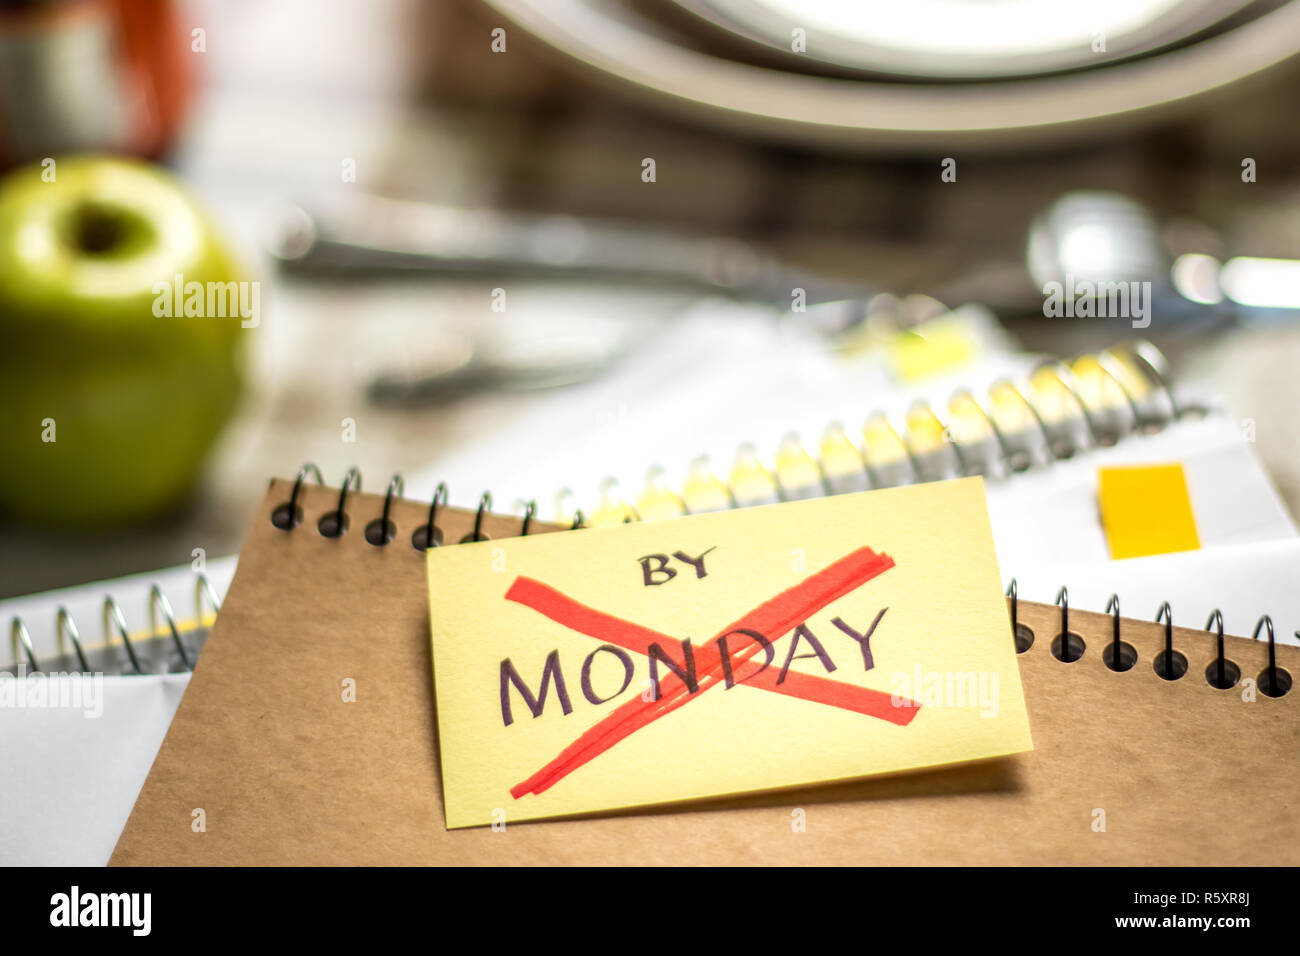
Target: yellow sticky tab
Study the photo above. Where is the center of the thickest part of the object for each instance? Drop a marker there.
(773, 647)
(1146, 510)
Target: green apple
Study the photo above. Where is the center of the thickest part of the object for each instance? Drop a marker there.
(112, 395)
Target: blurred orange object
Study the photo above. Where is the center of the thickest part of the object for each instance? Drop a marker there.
(91, 75)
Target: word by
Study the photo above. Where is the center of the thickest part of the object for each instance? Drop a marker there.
(657, 564)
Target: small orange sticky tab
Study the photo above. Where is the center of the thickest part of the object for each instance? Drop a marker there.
(1146, 510)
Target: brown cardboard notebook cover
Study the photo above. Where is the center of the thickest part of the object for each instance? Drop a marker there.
(285, 772)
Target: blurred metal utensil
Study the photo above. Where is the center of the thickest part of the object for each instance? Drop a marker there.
(1108, 237)
(1096, 236)
(570, 341)
(372, 233)
(544, 352)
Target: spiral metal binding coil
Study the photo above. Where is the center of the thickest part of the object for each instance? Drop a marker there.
(18, 633)
(113, 617)
(382, 530)
(1169, 663)
(1222, 673)
(1024, 637)
(289, 515)
(1118, 655)
(158, 603)
(1273, 681)
(66, 626)
(1091, 401)
(117, 635)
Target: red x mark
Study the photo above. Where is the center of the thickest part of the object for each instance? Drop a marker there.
(778, 616)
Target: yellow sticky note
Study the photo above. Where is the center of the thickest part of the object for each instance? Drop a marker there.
(766, 648)
(1145, 509)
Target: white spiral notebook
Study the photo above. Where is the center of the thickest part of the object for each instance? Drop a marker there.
(660, 439)
(83, 709)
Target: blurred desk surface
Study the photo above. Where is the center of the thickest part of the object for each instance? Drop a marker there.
(265, 133)
(318, 344)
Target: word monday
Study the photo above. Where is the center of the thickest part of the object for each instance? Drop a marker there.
(553, 673)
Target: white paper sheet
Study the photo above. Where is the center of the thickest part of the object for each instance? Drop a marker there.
(71, 778)
(1047, 520)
